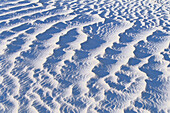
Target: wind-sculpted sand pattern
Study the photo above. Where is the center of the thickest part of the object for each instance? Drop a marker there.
(84, 56)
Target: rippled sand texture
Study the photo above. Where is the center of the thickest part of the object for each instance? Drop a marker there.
(85, 56)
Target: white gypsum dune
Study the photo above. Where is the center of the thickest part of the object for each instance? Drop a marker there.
(84, 56)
